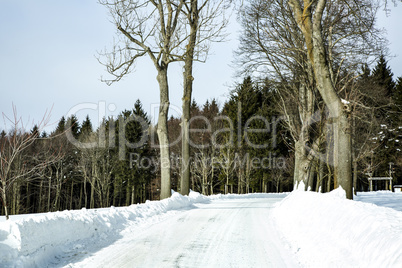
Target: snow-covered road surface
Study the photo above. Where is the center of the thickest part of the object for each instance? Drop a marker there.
(224, 233)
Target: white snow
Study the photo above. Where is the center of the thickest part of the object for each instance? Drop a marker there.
(304, 229)
(381, 198)
(327, 230)
(32, 240)
(228, 232)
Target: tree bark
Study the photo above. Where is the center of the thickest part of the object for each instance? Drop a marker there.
(4, 199)
(321, 176)
(49, 193)
(311, 175)
(162, 132)
(185, 170)
(187, 91)
(301, 164)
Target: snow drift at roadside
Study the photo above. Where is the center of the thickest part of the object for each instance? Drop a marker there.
(31, 240)
(327, 230)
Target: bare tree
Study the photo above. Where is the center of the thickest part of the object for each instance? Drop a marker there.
(273, 45)
(324, 40)
(14, 163)
(152, 28)
(202, 167)
(205, 21)
(327, 27)
(227, 165)
(96, 165)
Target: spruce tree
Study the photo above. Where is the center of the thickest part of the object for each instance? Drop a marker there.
(397, 98)
(35, 131)
(86, 128)
(383, 76)
(73, 125)
(61, 125)
(44, 134)
(387, 134)
(130, 175)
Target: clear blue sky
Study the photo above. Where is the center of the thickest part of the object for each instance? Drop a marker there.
(47, 54)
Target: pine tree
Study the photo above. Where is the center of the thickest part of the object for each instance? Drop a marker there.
(44, 134)
(387, 134)
(35, 131)
(194, 108)
(130, 177)
(61, 125)
(397, 99)
(213, 107)
(73, 125)
(86, 128)
(383, 76)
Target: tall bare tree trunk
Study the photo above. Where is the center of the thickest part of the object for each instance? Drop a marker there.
(85, 192)
(4, 200)
(311, 28)
(321, 175)
(212, 177)
(92, 198)
(71, 194)
(185, 153)
(80, 199)
(132, 194)
(354, 158)
(17, 198)
(311, 175)
(28, 197)
(49, 193)
(343, 165)
(40, 196)
(342, 137)
(192, 18)
(162, 132)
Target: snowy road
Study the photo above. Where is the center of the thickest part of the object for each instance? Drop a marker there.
(224, 233)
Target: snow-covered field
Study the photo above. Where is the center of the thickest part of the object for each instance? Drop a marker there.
(304, 229)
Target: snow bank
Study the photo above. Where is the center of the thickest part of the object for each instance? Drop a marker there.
(327, 230)
(381, 198)
(33, 239)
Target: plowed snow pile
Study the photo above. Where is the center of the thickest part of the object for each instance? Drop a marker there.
(326, 230)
